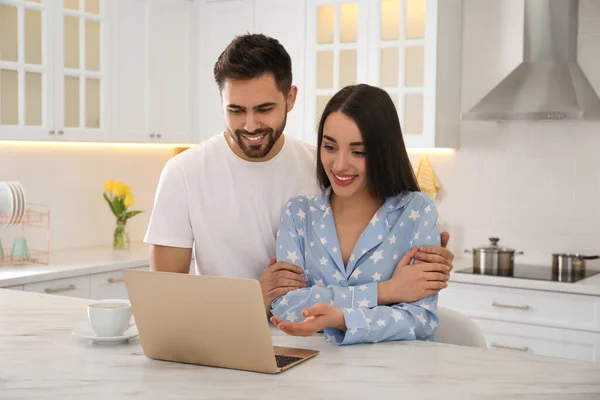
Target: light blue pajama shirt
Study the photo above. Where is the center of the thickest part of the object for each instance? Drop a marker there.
(307, 238)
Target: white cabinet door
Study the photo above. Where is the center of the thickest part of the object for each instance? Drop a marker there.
(153, 71)
(272, 18)
(81, 48)
(220, 23)
(171, 88)
(336, 53)
(26, 70)
(130, 106)
(74, 287)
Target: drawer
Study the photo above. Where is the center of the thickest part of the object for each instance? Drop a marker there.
(73, 287)
(524, 306)
(109, 285)
(554, 342)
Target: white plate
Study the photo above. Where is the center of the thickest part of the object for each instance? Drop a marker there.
(6, 202)
(86, 332)
(17, 203)
(18, 188)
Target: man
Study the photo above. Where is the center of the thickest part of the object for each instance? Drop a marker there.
(222, 198)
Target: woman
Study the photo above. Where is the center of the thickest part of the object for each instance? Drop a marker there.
(349, 239)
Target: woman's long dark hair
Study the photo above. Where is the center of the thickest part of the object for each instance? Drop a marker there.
(389, 171)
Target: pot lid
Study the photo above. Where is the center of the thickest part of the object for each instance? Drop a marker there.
(494, 248)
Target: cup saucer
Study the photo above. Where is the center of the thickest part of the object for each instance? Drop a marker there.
(86, 332)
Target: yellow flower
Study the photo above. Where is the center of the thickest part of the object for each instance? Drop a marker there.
(127, 190)
(119, 189)
(109, 185)
(129, 199)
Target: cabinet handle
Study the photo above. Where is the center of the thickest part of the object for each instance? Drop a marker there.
(152, 135)
(500, 346)
(61, 132)
(495, 304)
(158, 135)
(62, 289)
(115, 280)
(51, 132)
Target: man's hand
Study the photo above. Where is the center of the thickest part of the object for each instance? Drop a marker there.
(278, 279)
(410, 283)
(317, 318)
(436, 254)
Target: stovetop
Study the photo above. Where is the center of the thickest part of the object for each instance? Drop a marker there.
(541, 273)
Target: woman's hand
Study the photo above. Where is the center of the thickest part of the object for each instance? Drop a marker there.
(317, 318)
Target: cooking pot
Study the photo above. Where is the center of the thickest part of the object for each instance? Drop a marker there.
(563, 263)
(493, 259)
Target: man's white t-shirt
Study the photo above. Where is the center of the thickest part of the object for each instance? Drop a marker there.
(226, 208)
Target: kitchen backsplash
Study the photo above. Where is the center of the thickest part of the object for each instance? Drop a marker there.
(69, 180)
(536, 186)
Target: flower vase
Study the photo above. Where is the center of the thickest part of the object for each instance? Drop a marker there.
(121, 236)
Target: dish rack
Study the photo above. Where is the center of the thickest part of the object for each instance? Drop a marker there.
(34, 227)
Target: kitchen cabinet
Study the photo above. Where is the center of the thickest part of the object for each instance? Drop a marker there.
(546, 323)
(409, 48)
(153, 70)
(54, 70)
(98, 70)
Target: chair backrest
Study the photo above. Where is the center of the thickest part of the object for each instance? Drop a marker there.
(457, 328)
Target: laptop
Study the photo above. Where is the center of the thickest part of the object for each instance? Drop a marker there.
(206, 320)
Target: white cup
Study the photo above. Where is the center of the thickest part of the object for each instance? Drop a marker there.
(110, 318)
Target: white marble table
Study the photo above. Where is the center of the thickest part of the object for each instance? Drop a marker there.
(40, 358)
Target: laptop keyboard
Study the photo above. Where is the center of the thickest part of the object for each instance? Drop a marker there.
(282, 361)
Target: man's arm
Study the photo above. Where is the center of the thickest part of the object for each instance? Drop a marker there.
(170, 259)
(436, 254)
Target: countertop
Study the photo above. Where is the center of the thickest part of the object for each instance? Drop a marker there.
(589, 286)
(66, 264)
(42, 359)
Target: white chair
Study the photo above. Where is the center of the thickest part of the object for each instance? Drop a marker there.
(456, 328)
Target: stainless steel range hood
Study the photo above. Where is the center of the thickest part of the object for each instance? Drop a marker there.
(548, 84)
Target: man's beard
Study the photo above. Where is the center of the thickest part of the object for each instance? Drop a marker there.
(260, 150)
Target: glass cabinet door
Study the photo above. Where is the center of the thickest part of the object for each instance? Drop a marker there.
(82, 65)
(398, 57)
(25, 69)
(337, 52)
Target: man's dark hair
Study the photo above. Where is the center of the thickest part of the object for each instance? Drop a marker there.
(252, 55)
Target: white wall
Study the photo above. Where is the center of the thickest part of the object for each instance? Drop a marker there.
(534, 185)
(69, 180)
